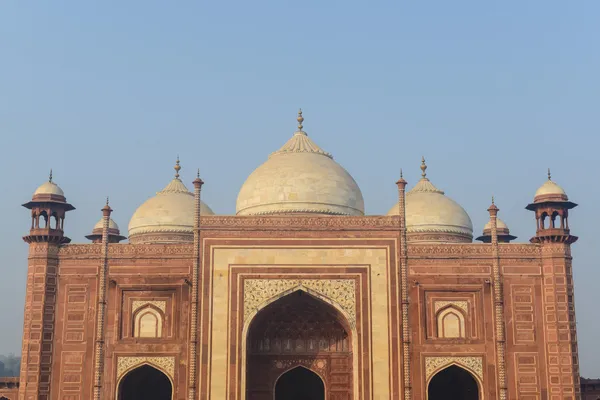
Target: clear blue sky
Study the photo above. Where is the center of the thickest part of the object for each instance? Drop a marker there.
(491, 93)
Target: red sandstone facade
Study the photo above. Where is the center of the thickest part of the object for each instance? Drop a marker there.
(498, 317)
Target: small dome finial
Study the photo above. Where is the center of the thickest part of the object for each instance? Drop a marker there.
(493, 199)
(198, 174)
(177, 168)
(300, 119)
(401, 176)
(423, 167)
(106, 200)
(549, 175)
(50, 176)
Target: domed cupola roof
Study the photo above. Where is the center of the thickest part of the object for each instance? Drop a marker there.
(502, 232)
(550, 191)
(433, 217)
(114, 234)
(300, 178)
(49, 192)
(167, 217)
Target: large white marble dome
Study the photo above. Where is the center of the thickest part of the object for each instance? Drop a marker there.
(167, 217)
(300, 178)
(431, 216)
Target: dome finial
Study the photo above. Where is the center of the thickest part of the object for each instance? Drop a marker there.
(423, 167)
(177, 168)
(50, 176)
(300, 119)
(106, 200)
(401, 176)
(198, 174)
(493, 199)
(549, 175)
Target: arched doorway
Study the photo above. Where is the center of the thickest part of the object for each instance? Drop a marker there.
(298, 330)
(145, 383)
(453, 383)
(299, 384)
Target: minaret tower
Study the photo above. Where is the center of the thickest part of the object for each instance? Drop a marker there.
(48, 208)
(551, 206)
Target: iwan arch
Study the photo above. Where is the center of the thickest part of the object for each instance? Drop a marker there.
(300, 295)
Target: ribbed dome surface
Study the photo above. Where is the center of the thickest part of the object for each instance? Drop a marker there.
(300, 178)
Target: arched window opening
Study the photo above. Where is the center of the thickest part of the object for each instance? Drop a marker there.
(451, 323)
(544, 222)
(43, 220)
(556, 220)
(145, 383)
(54, 221)
(299, 384)
(148, 323)
(453, 383)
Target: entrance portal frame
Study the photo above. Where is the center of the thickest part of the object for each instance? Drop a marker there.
(349, 322)
(472, 365)
(165, 365)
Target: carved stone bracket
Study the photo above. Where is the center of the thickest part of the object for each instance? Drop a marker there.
(463, 305)
(165, 364)
(137, 304)
(434, 364)
(342, 291)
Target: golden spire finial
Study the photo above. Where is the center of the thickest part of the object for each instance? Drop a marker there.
(423, 167)
(50, 176)
(106, 200)
(549, 175)
(401, 173)
(300, 119)
(493, 199)
(198, 174)
(177, 168)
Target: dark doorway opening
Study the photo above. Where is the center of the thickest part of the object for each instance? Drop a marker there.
(299, 384)
(453, 383)
(145, 383)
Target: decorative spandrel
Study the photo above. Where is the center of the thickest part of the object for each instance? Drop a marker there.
(435, 364)
(342, 291)
(165, 364)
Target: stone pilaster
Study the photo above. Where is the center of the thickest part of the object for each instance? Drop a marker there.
(559, 322)
(101, 311)
(498, 286)
(193, 348)
(40, 317)
(403, 261)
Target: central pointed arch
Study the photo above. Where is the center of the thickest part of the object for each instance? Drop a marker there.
(297, 329)
(454, 383)
(145, 383)
(300, 383)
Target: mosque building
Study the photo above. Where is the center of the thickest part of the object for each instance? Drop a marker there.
(299, 295)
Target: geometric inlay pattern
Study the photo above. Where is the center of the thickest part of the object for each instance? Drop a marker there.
(433, 364)
(463, 305)
(342, 291)
(166, 364)
(137, 304)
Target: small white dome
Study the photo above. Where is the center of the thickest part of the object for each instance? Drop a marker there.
(111, 224)
(550, 188)
(300, 178)
(550, 191)
(499, 225)
(166, 217)
(49, 188)
(431, 216)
